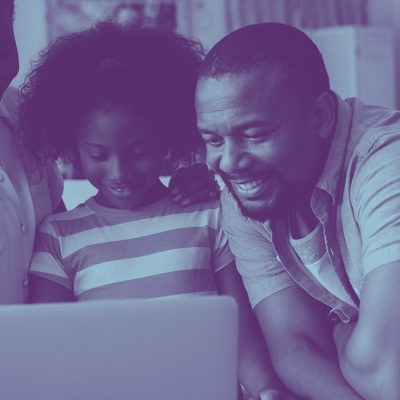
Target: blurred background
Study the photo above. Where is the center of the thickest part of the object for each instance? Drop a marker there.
(359, 39)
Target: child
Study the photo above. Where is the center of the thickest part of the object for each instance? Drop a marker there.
(120, 100)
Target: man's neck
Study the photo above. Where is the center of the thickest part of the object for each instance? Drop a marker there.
(302, 220)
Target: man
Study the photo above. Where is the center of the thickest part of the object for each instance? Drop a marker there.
(311, 208)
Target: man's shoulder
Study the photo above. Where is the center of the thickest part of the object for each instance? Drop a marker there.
(371, 124)
(233, 220)
(230, 207)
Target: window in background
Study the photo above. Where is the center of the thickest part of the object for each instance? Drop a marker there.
(66, 16)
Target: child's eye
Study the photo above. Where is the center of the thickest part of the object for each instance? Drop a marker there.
(98, 157)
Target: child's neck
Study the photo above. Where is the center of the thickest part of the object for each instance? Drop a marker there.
(156, 193)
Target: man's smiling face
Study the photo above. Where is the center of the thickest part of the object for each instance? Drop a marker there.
(258, 138)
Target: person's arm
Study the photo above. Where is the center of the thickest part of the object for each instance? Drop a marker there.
(48, 279)
(294, 325)
(301, 347)
(42, 290)
(255, 370)
(369, 350)
(193, 184)
(60, 208)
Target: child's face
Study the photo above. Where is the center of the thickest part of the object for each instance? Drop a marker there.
(122, 157)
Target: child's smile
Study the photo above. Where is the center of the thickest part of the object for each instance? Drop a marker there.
(121, 155)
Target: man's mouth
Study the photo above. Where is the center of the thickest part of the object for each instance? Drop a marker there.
(249, 185)
(250, 188)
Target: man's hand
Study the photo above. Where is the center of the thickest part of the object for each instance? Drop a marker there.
(193, 184)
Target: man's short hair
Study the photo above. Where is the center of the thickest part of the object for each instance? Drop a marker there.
(11, 5)
(269, 45)
(7, 9)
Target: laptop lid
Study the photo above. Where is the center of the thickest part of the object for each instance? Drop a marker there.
(175, 348)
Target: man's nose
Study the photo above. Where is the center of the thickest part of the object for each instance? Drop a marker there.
(233, 158)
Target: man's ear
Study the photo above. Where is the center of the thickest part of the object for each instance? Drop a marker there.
(323, 114)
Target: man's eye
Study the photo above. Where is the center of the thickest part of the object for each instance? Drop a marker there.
(257, 137)
(214, 141)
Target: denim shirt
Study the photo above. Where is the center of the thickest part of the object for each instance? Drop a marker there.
(357, 202)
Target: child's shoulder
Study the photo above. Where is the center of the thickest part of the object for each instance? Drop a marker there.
(53, 221)
(204, 213)
(204, 206)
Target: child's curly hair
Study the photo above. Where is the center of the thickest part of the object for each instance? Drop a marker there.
(152, 71)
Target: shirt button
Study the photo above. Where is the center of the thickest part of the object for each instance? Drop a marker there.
(333, 317)
(23, 228)
(1, 178)
(26, 282)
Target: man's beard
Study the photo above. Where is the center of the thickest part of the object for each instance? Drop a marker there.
(263, 213)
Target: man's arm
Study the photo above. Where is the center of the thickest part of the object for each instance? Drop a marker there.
(255, 370)
(301, 347)
(369, 351)
(293, 323)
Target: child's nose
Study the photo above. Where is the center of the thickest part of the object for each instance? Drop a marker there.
(118, 169)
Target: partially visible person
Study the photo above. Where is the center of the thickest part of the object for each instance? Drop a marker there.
(9, 65)
(124, 101)
(311, 209)
(29, 190)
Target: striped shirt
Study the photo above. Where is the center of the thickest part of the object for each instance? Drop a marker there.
(159, 250)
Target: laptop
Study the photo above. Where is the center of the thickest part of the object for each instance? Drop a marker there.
(178, 348)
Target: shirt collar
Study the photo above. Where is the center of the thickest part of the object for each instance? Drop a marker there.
(3, 111)
(331, 174)
(9, 104)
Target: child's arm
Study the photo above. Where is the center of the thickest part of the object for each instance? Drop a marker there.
(255, 369)
(48, 279)
(42, 290)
